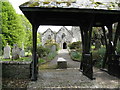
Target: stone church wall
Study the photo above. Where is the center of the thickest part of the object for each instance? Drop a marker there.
(63, 36)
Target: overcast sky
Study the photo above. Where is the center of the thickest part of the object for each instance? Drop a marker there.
(17, 3)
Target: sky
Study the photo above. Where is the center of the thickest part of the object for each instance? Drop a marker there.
(17, 3)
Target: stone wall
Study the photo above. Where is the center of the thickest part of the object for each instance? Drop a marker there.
(14, 69)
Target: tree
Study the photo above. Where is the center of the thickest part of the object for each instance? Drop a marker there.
(28, 31)
(12, 30)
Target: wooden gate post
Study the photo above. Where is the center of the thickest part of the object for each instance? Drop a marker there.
(34, 53)
(86, 62)
(106, 44)
(111, 58)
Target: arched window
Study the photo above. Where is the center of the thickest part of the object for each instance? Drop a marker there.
(49, 37)
(63, 35)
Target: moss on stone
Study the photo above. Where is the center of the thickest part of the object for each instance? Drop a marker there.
(34, 4)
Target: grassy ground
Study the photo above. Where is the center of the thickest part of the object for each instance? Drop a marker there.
(20, 59)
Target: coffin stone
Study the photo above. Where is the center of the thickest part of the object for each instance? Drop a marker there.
(61, 63)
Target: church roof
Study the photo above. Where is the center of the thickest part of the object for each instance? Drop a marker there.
(72, 4)
(47, 31)
(65, 29)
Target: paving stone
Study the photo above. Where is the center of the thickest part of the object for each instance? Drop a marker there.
(71, 78)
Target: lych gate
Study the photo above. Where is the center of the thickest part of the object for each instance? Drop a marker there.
(86, 19)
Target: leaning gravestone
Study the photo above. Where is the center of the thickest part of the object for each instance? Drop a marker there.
(15, 52)
(7, 50)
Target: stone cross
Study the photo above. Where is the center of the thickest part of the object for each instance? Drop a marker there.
(15, 52)
(7, 50)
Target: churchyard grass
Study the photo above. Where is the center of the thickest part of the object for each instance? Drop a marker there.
(40, 60)
(20, 59)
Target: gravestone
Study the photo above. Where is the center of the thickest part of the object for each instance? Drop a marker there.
(15, 52)
(7, 50)
(22, 52)
(53, 48)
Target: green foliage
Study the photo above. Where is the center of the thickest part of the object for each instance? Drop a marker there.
(28, 43)
(75, 45)
(75, 55)
(98, 55)
(42, 51)
(12, 30)
(16, 29)
(50, 43)
(28, 31)
(118, 4)
(39, 39)
(51, 55)
(101, 51)
(20, 59)
(40, 60)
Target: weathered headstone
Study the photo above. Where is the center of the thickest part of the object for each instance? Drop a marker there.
(7, 50)
(53, 48)
(15, 52)
(22, 52)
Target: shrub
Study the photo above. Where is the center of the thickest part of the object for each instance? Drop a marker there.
(50, 43)
(99, 55)
(75, 45)
(75, 55)
(51, 55)
(42, 51)
(40, 60)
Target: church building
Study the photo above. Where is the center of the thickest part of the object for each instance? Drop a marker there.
(63, 37)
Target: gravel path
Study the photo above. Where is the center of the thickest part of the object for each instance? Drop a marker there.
(50, 78)
(64, 54)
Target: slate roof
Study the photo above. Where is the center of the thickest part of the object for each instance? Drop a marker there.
(47, 31)
(68, 16)
(66, 30)
(70, 4)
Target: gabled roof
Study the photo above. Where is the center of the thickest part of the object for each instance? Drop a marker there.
(65, 29)
(47, 31)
